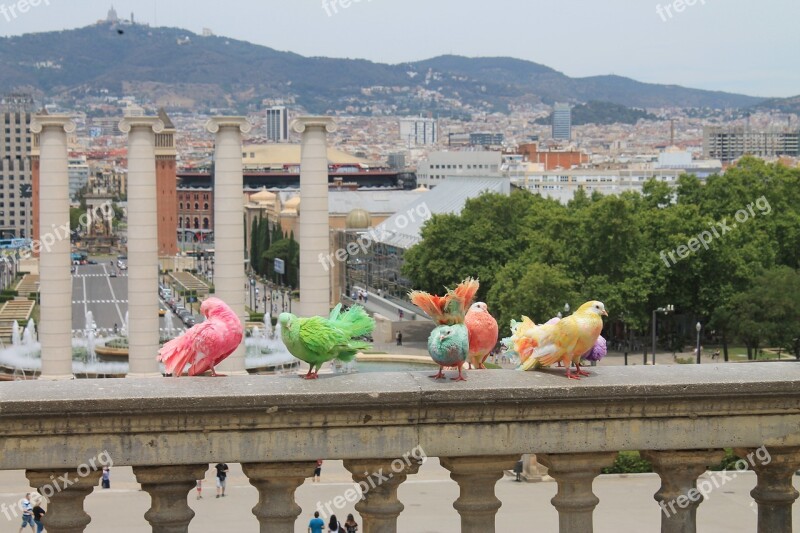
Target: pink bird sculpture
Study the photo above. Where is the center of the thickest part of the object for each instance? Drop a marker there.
(206, 344)
(482, 329)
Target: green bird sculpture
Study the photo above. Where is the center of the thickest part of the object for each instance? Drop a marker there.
(317, 339)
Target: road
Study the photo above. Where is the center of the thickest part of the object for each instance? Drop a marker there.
(95, 290)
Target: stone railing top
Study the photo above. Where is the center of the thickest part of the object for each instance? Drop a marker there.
(284, 418)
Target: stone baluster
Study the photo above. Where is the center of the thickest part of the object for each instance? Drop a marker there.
(168, 487)
(277, 510)
(679, 496)
(774, 492)
(379, 480)
(65, 492)
(476, 478)
(574, 474)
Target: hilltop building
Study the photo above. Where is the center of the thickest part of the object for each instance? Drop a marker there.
(277, 124)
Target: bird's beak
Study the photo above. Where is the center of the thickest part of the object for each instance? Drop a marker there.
(603, 312)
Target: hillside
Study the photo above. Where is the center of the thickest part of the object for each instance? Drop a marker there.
(602, 113)
(177, 68)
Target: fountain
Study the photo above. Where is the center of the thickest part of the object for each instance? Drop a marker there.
(29, 336)
(15, 336)
(169, 326)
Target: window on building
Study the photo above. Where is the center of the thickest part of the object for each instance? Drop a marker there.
(205, 223)
(205, 206)
(196, 206)
(196, 223)
(180, 206)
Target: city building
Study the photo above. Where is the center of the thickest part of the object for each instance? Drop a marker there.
(552, 159)
(16, 217)
(195, 212)
(728, 144)
(396, 161)
(277, 124)
(78, 173)
(442, 165)
(485, 138)
(378, 267)
(416, 131)
(562, 122)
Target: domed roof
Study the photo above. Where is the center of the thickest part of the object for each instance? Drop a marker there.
(421, 188)
(263, 197)
(358, 219)
(292, 203)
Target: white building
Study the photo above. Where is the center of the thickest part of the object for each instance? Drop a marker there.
(78, 173)
(441, 165)
(419, 131)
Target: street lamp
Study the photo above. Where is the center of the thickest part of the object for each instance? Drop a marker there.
(566, 309)
(665, 310)
(252, 285)
(698, 327)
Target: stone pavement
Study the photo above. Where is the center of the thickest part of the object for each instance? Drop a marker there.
(626, 503)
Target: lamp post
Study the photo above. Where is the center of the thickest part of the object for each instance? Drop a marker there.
(698, 327)
(252, 286)
(665, 310)
(566, 309)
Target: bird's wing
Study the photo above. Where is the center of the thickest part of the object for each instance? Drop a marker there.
(317, 334)
(180, 351)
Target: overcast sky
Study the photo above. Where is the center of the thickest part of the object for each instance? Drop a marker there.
(739, 46)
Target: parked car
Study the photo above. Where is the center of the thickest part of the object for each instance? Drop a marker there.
(113, 274)
(189, 321)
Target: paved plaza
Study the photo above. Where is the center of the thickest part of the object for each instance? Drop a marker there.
(626, 503)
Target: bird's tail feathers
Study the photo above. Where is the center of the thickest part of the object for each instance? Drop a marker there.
(353, 347)
(176, 354)
(462, 296)
(432, 305)
(355, 321)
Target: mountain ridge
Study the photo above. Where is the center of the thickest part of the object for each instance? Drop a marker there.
(175, 67)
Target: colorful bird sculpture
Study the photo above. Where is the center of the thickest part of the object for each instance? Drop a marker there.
(317, 339)
(448, 343)
(206, 344)
(482, 329)
(565, 340)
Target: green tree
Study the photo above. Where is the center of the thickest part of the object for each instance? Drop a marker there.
(255, 253)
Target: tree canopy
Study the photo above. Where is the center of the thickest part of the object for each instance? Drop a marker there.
(696, 246)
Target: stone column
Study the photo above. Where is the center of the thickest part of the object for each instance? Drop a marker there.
(229, 272)
(143, 322)
(774, 492)
(379, 480)
(678, 496)
(55, 285)
(476, 478)
(313, 226)
(277, 510)
(574, 473)
(168, 486)
(65, 492)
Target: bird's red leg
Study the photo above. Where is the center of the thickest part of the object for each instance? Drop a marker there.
(581, 372)
(311, 374)
(483, 362)
(440, 375)
(570, 375)
(460, 376)
(215, 375)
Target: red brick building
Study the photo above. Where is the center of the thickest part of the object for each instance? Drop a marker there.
(553, 159)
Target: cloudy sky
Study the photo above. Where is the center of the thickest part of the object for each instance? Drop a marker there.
(739, 46)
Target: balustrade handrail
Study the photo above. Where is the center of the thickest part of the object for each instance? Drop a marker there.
(261, 418)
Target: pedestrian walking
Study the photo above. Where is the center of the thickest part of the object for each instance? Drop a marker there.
(106, 478)
(199, 488)
(399, 338)
(222, 474)
(334, 526)
(27, 513)
(400, 313)
(317, 471)
(350, 525)
(316, 524)
(38, 513)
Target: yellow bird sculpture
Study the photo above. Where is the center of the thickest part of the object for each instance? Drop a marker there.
(541, 345)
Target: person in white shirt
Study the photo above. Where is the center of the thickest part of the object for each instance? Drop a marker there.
(27, 513)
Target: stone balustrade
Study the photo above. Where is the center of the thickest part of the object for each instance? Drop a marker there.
(680, 417)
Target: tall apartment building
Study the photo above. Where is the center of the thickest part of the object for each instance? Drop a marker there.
(562, 122)
(727, 144)
(277, 124)
(16, 217)
(419, 131)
